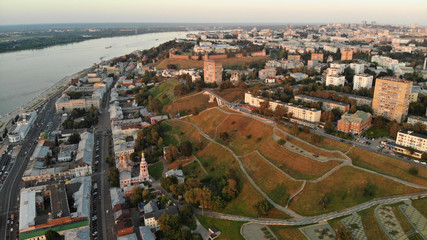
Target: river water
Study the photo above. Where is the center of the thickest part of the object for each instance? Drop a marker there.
(25, 74)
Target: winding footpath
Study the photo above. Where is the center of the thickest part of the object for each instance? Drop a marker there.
(298, 219)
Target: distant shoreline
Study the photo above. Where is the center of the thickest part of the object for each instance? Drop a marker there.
(42, 45)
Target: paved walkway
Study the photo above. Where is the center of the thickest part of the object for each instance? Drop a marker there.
(389, 223)
(354, 223)
(254, 231)
(417, 220)
(201, 230)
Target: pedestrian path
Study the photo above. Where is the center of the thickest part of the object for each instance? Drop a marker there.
(354, 223)
(389, 223)
(254, 231)
(415, 218)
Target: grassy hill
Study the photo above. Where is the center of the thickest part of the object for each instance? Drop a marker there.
(343, 188)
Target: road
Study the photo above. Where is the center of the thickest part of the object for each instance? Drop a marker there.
(105, 221)
(10, 191)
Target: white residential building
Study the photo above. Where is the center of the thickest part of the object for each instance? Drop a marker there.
(362, 81)
(411, 139)
(335, 80)
(358, 68)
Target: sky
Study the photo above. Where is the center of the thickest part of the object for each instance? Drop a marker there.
(213, 11)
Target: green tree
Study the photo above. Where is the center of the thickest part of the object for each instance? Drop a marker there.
(52, 235)
(114, 177)
(154, 105)
(186, 148)
(186, 215)
(263, 207)
(74, 138)
(169, 224)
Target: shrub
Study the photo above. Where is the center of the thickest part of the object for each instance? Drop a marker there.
(413, 171)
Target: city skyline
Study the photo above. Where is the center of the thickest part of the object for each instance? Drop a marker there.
(192, 11)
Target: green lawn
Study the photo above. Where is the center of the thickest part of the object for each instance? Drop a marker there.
(156, 170)
(374, 132)
(57, 229)
(230, 230)
(164, 89)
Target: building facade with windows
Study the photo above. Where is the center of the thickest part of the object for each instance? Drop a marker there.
(392, 98)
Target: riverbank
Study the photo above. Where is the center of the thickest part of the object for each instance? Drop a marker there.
(40, 99)
(51, 39)
(25, 74)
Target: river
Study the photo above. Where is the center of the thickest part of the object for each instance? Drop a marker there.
(25, 74)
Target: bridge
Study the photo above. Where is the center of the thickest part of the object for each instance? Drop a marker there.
(214, 97)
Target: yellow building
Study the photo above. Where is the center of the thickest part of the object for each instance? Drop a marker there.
(392, 98)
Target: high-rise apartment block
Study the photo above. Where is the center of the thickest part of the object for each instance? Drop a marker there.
(212, 72)
(391, 98)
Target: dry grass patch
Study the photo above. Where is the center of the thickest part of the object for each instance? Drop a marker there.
(273, 182)
(371, 226)
(208, 120)
(308, 147)
(189, 103)
(287, 233)
(217, 160)
(180, 161)
(421, 205)
(326, 143)
(247, 134)
(346, 188)
(387, 165)
(186, 132)
(294, 164)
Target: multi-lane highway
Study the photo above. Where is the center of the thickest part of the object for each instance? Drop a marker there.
(9, 193)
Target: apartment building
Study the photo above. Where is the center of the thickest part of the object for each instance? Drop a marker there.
(346, 54)
(317, 56)
(266, 73)
(327, 105)
(358, 68)
(300, 114)
(391, 98)
(335, 80)
(417, 119)
(303, 113)
(357, 122)
(212, 71)
(412, 139)
(362, 81)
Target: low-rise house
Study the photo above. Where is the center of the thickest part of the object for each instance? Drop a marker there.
(157, 119)
(151, 219)
(146, 233)
(177, 173)
(214, 232)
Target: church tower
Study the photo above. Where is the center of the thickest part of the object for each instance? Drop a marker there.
(143, 168)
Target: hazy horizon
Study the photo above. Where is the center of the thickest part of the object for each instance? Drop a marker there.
(213, 12)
